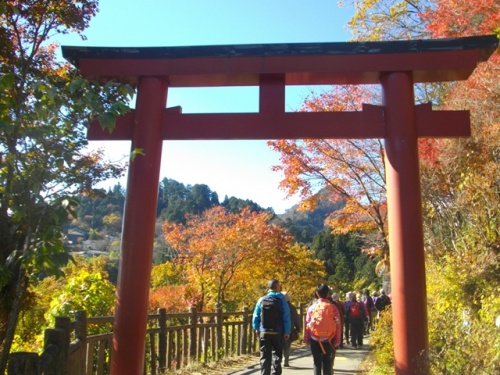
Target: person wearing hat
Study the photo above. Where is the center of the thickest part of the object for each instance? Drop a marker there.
(356, 314)
(371, 311)
(347, 325)
(382, 302)
(296, 328)
(341, 307)
(375, 312)
(271, 322)
(322, 331)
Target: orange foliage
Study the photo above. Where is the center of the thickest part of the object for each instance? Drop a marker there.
(352, 171)
(461, 188)
(171, 297)
(219, 252)
(452, 18)
(429, 151)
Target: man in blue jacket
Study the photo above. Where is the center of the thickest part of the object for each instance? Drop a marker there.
(271, 321)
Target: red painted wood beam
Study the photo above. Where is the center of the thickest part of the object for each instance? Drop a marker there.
(436, 60)
(136, 255)
(272, 94)
(408, 288)
(300, 70)
(368, 123)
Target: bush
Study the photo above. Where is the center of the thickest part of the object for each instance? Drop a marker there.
(463, 303)
(381, 359)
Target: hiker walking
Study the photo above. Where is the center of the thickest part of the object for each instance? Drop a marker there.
(271, 321)
(382, 302)
(341, 307)
(347, 324)
(323, 331)
(296, 329)
(356, 315)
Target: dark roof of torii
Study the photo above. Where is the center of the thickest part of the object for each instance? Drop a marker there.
(430, 60)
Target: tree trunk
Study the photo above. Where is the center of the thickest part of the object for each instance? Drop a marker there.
(12, 321)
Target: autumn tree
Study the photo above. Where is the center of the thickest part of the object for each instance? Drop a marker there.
(84, 287)
(168, 289)
(459, 186)
(462, 202)
(348, 171)
(388, 19)
(44, 109)
(228, 256)
(375, 20)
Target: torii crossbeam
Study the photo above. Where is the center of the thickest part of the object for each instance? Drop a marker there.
(395, 65)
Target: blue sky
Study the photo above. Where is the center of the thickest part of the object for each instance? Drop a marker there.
(233, 168)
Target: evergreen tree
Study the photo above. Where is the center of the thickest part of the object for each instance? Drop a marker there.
(234, 205)
(172, 200)
(199, 199)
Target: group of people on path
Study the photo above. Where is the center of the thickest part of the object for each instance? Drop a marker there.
(329, 323)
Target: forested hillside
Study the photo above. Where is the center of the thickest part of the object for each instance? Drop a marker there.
(207, 253)
(96, 231)
(99, 216)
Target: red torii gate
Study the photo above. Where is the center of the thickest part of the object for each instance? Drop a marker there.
(395, 65)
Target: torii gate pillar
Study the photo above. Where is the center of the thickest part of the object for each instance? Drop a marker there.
(406, 244)
(395, 65)
(138, 229)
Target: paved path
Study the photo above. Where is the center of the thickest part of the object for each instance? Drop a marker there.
(347, 362)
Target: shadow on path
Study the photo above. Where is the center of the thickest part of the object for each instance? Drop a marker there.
(347, 362)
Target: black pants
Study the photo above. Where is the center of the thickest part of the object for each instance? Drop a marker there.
(347, 330)
(271, 352)
(323, 362)
(356, 331)
(287, 348)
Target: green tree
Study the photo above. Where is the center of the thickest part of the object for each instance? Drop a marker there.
(346, 264)
(85, 287)
(171, 198)
(342, 278)
(83, 290)
(199, 199)
(44, 109)
(234, 205)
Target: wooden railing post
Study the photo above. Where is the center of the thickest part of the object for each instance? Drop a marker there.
(219, 328)
(54, 357)
(193, 333)
(81, 333)
(64, 323)
(245, 329)
(23, 363)
(162, 340)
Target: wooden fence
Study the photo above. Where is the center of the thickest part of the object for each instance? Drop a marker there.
(83, 346)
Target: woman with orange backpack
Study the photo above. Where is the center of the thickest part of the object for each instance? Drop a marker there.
(323, 331)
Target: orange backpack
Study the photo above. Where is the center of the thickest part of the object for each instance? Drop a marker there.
(322, 323)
